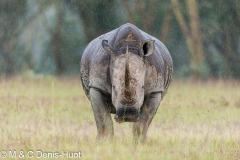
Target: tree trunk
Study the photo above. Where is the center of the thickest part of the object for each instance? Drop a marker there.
(86, 21)
(166, 26)
(129, 11)
(143, 10)
(57, 40)
(191, 34)
(9, 62)
(192, 7)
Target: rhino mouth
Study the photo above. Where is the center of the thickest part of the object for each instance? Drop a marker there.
(127, 118)
(127, 114)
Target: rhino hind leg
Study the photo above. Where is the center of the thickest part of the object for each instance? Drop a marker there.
(102, 114)
(148, 111)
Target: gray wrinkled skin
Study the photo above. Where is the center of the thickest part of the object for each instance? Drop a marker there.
(125, 72)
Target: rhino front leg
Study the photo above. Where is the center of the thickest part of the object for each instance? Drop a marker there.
(102, 114)
(148, 111)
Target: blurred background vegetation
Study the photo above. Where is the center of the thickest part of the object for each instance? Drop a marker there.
(49, 36)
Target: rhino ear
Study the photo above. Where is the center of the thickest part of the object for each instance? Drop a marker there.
(148, 47)
(107, 47)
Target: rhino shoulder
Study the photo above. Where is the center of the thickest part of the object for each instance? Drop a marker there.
(95, 65)
(160, 63)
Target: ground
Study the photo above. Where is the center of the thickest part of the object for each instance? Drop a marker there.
(196, 120)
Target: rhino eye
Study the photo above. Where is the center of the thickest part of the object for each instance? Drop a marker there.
(142, 87)
(113, 87)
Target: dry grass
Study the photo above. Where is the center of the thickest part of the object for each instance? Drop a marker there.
(196, 120)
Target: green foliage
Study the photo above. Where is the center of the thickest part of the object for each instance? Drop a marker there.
(97, 17)
(220, 22)
(29, 33)
(73, 43)
(12, 14)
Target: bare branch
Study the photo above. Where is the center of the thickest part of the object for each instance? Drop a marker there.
(235, 9)
(149, 18)
(180, 19)
(192, 8)
(166, 25)
(129, 11)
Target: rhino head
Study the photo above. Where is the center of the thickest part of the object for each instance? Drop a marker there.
(127, 71)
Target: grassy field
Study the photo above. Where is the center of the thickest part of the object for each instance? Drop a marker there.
(196, 120)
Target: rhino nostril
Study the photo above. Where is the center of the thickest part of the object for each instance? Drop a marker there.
(116, 116)
(138, 118)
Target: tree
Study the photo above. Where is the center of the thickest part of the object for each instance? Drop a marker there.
(192, 33)
(229, 19)
(166, 25)
(56, 38)
(97, 17)
(11, 14)
(147, 15)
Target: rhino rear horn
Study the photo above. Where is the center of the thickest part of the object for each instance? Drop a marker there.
(148, 47)
(107, 47)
